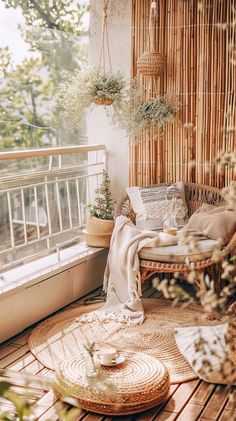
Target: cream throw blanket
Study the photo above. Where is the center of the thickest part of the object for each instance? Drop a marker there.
(122, 280)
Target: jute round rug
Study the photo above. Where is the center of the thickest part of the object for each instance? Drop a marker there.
(60, 336)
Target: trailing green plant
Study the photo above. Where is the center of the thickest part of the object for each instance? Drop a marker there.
(136, 114)
(81, 89)
(104, 204)
(156, 112)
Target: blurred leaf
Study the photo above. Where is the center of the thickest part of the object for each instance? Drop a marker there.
(4, 386)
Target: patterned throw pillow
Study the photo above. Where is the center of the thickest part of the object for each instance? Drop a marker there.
(151, 204)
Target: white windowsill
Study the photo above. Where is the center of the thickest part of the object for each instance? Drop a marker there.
(27, 275)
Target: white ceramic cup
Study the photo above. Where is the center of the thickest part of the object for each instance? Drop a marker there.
(108, 356)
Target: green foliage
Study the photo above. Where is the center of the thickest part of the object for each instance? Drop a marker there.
(82, 88)
(22, 406)
(29, 117)
(136, 114)
(63, 15)
(156, 111)
(104, 207)
(25, 119)
(24, 411)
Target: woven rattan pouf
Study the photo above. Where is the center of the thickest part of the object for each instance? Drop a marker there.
(139, 383)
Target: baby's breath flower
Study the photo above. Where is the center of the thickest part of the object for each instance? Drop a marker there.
(83, 88)
(229, 194)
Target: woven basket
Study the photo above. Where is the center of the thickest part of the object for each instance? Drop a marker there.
(97, 232)
(151, 64)
(103, 101)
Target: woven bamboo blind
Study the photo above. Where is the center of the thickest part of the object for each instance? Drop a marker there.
(200, 72)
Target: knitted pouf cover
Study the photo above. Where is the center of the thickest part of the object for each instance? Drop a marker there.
(139, 383)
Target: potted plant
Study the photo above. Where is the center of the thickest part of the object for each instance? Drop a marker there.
(137, 114)
(84, 88)
(156, 112)
(100, 221)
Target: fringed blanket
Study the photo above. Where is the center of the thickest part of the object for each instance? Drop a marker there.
(122, 280)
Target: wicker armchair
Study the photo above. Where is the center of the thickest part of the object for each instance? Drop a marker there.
(196, 195)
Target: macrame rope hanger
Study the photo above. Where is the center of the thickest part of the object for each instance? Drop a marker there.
(152, 25)
(152, 85)
(104, 42)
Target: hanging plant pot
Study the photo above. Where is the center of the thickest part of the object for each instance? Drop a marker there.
(99, 86)
(97, 232)
(103, 101)
(156, 113)
(151, 64)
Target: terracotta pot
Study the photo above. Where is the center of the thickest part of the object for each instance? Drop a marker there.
(97, 232)
(103, 101)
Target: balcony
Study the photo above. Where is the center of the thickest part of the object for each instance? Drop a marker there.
(173, 124)
(44, 195)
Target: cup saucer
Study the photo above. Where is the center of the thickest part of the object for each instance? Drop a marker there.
(120, 359)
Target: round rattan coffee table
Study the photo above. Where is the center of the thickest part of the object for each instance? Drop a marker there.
(139, 383)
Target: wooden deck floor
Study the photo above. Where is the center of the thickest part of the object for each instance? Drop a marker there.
(193, 400)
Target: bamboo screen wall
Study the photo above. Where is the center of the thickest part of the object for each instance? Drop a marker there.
(200, 71)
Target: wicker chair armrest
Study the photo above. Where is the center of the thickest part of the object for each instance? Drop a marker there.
(198, 194)
(123, 207)
(119, 205)
(230, 247)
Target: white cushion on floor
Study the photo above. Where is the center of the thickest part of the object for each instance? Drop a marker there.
(178, 253)
(206, 343)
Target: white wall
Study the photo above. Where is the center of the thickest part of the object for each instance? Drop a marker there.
(99, 128)
(28, 301)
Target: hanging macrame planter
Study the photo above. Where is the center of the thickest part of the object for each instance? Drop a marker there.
(151, 63)
(98, 85)
(104, 100)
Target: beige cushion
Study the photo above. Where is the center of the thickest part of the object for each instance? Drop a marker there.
(213, 348)
(217, 223)
(151, 204)
(178, 253)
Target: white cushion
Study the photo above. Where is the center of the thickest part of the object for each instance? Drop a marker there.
(178, 253)
(152, 203)
(200, 343)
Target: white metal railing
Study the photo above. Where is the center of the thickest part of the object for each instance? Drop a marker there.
(43, 199)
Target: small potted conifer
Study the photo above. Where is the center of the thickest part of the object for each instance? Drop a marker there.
(100, 220)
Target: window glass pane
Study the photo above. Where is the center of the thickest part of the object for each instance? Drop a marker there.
(38, 45)
(43, 199)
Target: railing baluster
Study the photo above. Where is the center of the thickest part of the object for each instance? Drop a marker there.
(78, 201)
(88, 189)
(48, 207)
(36, 211)
(10, 220)
(23, 215)
(58, 205)
(50, 163)
(69, 203)
(59, 162)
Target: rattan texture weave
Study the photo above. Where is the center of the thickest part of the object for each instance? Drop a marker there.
(196, 195)
(231, 334)
(61, 336)
(139, 383)
(151, 64)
